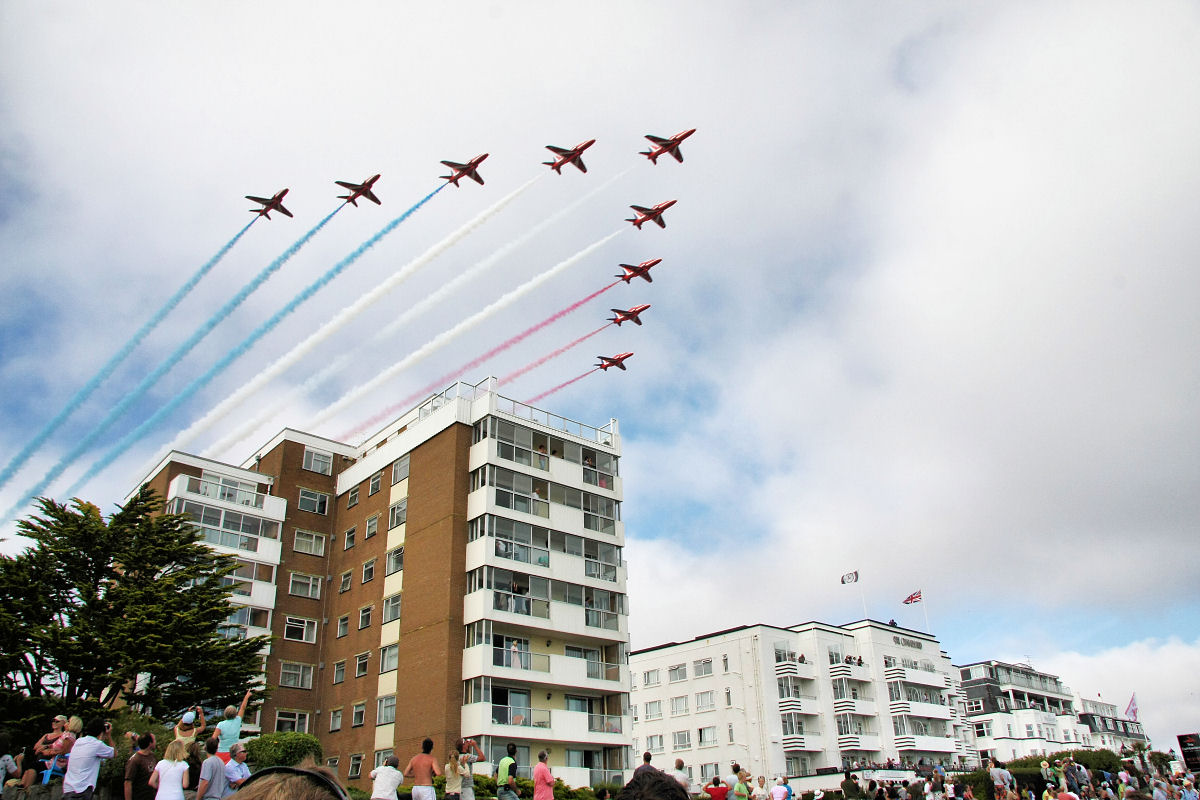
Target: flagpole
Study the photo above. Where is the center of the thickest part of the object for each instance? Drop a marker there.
(863, 595)
(925, 609)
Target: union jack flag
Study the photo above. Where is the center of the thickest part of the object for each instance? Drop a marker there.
(915, 597)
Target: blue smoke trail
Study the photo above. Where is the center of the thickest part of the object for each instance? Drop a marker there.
(262, 330)
(104, 372)
(170, 361)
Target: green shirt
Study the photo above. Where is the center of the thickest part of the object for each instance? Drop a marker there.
(506, 763)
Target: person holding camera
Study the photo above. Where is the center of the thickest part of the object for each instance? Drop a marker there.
(83, 768)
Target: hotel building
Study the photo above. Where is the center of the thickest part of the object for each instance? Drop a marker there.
(799, 700)
(460, 572)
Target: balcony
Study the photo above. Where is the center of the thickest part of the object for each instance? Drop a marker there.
(917, 677)
(799, 705)
(520, 604)
(597, 777)
(520, 660)
(520, 716)
(802, 742)
(582, 726)
(851, 671)
(866, 742)
(925, 744)
(849, 705)
(213, 493)
(560, 619)
(806, 670)
(524, 553)
(926, 710)
(604, 723)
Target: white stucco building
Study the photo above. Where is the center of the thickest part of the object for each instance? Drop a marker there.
(792, 701)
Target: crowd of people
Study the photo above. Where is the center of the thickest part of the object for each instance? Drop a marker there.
(73, 753)
(1069, 780)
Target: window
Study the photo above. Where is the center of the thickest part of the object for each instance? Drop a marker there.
(707, 737)
(311, 543)
(725, 662)
(368, 571)
(295, 676)
(349, 539)
(731, 733)
(315, 502)
(358, 714)
(385, 710)
(706, 701)
(796, 765)
(355, 765)
(316, 461)
(681, 740)
(302, 585)
(677, 673)
(389, 657)
(728, 698)
(332, 763)
(382, 756)
(291, 721)
(371, 527)
(974, 706)
(395, 560)
(364, 617)
(360, 664)
(398, 513)
(391, 608)
(654, 709)
(654, 743)
(339, 672)
(352, 498)
(298, 629)
(343, 625)
(347, 579)
(650, 678)
(335, 720)
(702, 667)
(707, 771)
(679, 705)
(400, 469)
(793, 724)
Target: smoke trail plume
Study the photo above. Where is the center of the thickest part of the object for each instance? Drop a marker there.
(136, 393)
(555, 354)
(365, 301)
(449, 377)
(462, 327)
(105, 371)
(255, 335)
(549, 392)
(286, 398)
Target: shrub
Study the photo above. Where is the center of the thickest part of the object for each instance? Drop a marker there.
(283, 749)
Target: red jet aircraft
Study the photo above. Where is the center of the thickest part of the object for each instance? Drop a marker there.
(467, 170)
(572, 156)
(666, 146)
(628, 316)
(617, 361)
(651, 214)
(269, 204)
(642, 270)
(358, 190)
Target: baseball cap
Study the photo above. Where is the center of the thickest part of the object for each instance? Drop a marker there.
(60, 718)
(189, 718)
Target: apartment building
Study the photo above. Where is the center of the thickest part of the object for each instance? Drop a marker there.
(1017, 711)
(460, 572)
(794, 701)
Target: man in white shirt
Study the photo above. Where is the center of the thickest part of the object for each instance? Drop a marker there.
(386, 779)
(83, 769)
(681, 776)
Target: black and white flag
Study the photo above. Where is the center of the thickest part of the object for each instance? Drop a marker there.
(850, 577)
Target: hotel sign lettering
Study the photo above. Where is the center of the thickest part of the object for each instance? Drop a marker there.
(902, 641)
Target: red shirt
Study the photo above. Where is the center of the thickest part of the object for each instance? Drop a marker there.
(717, 792)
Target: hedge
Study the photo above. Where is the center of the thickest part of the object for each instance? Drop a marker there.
(283, 749)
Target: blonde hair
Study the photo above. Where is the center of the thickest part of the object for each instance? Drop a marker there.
(176, 751)
(283, 786)
(74, 725)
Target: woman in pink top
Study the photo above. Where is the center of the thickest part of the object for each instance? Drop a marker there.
(543, 781)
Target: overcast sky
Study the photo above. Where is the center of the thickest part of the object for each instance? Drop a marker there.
(926, 310)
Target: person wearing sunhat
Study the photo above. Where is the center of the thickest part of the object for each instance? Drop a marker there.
(186, 730)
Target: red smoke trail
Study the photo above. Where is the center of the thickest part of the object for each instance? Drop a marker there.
(549, 392)
(547, 357)
(442, 382)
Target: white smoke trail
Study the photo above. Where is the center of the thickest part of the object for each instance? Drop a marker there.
(339, 321)
(462, 327)
(280, 400)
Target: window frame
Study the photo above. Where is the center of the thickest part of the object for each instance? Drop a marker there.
(311, 457)
(316, 538)
(312, 583)
(290, 620)
(320, 501)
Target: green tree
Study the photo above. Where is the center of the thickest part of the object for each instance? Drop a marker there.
(133, 607)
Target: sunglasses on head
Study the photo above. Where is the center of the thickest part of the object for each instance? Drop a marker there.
(319, 778)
